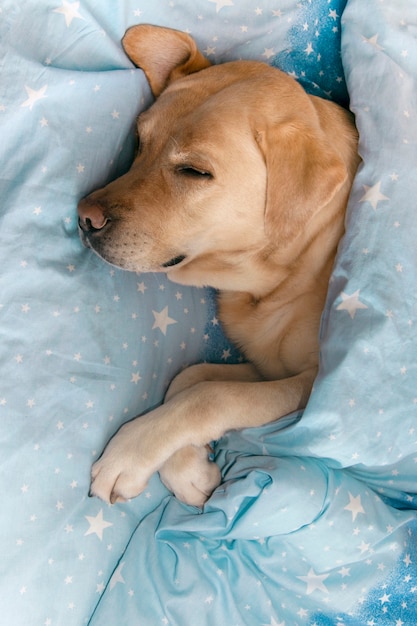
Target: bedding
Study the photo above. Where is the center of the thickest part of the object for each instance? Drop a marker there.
(315, 521)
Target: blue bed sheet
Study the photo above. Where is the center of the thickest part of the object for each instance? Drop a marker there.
(315, 521)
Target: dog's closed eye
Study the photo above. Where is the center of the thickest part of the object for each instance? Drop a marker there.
(194, 172)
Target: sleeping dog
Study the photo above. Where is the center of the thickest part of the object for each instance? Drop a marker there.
(240, 182)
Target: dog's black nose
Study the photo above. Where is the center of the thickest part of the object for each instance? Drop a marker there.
(91, 215)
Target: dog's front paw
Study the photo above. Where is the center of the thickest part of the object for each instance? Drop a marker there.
(123, 470)
(190, 475)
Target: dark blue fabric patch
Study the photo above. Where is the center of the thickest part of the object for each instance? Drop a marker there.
(313, 55)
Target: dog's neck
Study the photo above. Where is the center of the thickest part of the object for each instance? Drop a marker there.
(309, 257)
(261, 273)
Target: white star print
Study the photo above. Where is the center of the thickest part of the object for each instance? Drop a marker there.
(309, 50)
(100, 588)
(268, 53)
(162, 320)
(135, 378)
(354, 506)
(345, 571)
(97, 525)
(373, 42)
(69, 10)
(351, 303)
(373, 195)
(117, 577)
(385, 598)
(314, 581)
(220, 4)
(364, 547)
(34, 95)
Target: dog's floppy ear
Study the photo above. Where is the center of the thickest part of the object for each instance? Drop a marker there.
(304, 173)
(163, 54)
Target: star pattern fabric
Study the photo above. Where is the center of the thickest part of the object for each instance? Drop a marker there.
(351, 303)
(315, 521)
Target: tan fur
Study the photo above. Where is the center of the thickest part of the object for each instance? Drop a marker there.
(247, 177)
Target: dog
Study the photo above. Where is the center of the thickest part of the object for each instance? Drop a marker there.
(240, 183)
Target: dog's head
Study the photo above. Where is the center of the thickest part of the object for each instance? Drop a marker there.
(232, 164)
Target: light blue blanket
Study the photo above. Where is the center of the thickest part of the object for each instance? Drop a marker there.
(315, 521)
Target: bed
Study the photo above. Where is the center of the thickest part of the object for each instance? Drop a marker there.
(315, 521)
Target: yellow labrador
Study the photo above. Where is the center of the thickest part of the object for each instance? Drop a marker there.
(240, 183)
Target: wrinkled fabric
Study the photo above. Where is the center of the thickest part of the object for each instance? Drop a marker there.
(314, 522)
